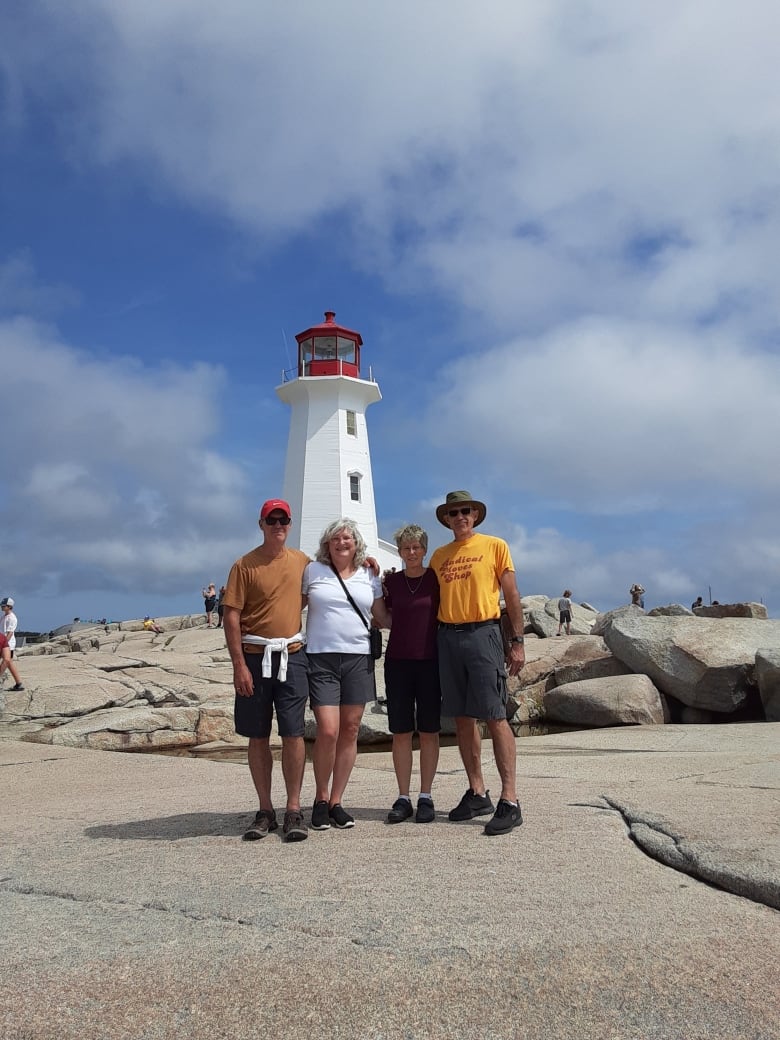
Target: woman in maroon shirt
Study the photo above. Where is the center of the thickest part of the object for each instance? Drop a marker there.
(412, 673)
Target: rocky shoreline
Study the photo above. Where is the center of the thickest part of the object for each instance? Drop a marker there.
(121, 688)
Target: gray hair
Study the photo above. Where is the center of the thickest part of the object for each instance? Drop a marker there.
(411, 533)
(343, 524)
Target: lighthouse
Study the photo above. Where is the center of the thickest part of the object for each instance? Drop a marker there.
(328, 469)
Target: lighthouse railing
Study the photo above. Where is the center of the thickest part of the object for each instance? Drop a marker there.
(336, 367)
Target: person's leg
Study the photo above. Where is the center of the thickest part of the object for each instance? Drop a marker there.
(293, 766)
(429, 760)
(470, 747)
(505, 751)
(402, 761)
(8, 663)
(324, 751)
(260, 767)
(346, 749)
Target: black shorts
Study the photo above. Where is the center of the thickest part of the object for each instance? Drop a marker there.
(209, 604)
(413, 695)
(473, 672)
(565, 617)
(253, 714)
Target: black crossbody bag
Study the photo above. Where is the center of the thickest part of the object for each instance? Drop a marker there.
(374, 634)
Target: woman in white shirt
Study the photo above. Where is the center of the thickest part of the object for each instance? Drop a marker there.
(341, 669)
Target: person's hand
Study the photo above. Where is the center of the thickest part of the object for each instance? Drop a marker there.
(515, 658)
(242, 680)
(373, 565)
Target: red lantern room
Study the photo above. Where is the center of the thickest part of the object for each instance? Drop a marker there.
(329, 350)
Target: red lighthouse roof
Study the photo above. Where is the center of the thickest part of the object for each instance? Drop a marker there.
(330, 328)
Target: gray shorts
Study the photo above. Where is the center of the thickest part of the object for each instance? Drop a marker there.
(472, 672)
(253, 714)
(336, 679)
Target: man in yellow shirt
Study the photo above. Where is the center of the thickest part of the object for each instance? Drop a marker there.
(473, 571)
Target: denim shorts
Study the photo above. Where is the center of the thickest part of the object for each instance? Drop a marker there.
(413, 695)
(472, 672)
(336, 679)
(253, 714)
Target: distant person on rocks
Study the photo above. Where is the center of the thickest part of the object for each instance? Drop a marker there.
(220, 606)
(151, 625)
(6, 662)
(412, 673)
(564, 612)
(698, 602)
(262, 616)
(209, 602)
(637, 594)
(473, 570)
(9, 623)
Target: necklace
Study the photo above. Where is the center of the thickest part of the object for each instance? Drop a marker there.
(412, 591)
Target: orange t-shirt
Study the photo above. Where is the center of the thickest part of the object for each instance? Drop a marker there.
(268, 594)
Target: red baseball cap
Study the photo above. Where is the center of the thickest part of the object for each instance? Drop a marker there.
(272, 504)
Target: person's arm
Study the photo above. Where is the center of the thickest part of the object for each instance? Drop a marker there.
(514, 608)
(242, 677)
(383, 617)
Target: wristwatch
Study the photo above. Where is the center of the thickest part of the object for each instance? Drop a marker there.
(517, 639)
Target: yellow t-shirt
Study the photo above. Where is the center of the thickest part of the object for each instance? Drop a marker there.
(469, 574)
(268, 594)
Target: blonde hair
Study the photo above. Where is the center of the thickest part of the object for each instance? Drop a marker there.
(343, 524)
(411, 533)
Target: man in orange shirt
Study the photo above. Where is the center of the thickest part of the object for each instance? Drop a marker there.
(262, 619)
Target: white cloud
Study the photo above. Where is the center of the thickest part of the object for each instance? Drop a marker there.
(113, 479)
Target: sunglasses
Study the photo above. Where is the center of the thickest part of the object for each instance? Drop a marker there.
(272, 521)
(463, 511)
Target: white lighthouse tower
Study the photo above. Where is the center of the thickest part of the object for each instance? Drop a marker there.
(328, 469)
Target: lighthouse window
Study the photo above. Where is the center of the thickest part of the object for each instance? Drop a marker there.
(325, 348)
(352, 424)
(354, 487)
(346, 349)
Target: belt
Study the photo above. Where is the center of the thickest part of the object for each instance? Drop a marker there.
(467, 626)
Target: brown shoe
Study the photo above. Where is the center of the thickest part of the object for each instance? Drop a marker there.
(264, 821)
(294, 829)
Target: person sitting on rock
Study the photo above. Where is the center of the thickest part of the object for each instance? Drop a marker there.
(150, 625)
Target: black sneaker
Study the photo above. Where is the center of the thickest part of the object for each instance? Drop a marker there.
(471, 805)
(264, 821)
(425, 811)
(339, 817)
(294, 829)
(17, 688)
(507, 816)
(320, 821)
(402, 810)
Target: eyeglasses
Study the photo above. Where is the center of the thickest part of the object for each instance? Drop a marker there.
(272, 521)
(463, 511)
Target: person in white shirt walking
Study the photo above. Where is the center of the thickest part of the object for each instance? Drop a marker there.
(8, 629)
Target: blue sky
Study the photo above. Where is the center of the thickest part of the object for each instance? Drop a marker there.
(556, 229)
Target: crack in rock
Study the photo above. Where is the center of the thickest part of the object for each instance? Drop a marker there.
(71, 897)
(661, 843)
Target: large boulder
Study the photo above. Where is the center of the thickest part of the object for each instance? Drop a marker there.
(617, 700)
(603, 621)
(587, 660)
(768, 680)
(703, 663)
(128, 729)
(729, 610)
(670, 610)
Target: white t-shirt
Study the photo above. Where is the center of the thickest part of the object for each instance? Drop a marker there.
(9, 627)
(332, 626)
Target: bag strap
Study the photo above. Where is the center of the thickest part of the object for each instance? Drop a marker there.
(354, 605)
